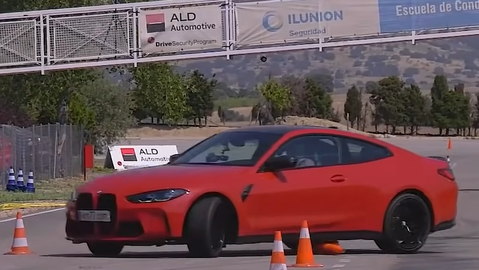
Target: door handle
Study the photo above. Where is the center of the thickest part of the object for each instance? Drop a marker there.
(338, 179)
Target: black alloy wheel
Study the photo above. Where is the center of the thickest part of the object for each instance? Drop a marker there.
(205, 230)
(218, 233)
(406, 226)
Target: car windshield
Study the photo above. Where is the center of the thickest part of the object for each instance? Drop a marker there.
(235, 148)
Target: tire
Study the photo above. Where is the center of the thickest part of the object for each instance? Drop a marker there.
(407, 225)
(205, 230)
(105, 249)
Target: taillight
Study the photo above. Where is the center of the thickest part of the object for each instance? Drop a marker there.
(446, 172)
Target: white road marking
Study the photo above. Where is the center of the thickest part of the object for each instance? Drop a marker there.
(34, 214)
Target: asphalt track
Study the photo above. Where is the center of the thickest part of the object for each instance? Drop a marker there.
(457, 248)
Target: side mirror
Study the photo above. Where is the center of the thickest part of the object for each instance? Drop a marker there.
(174, 157)
(278, 163)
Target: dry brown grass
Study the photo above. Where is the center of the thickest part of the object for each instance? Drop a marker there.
(171, 132)
(215, 126)
(305, 121)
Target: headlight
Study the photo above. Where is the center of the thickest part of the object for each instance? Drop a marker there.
(157, 196)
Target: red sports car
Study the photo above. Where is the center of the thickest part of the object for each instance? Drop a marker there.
(241, 185)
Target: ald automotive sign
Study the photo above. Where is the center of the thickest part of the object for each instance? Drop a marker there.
(275, 22)
(124, 157)
(185, 29)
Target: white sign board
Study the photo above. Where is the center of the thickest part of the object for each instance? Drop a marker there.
(124, 157)
(181, 29)
(273, 22)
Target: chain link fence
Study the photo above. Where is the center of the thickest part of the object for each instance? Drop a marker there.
(50, 151)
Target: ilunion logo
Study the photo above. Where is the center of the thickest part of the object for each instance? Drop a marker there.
(272, 22)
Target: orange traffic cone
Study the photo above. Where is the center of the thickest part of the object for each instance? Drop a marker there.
(449, 144)
(20, 245)
(278, 260)
(305, 257)
(329, 248)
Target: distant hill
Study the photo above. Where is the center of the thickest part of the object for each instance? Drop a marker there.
(458, 58)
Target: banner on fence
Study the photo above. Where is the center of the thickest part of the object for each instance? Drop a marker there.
(274, 22)
(125, 157)
(409, 15)
(181, 29)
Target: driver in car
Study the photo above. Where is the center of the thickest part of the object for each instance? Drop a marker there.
(301, 153)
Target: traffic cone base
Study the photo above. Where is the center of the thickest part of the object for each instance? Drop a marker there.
(329, 248)
(20, 244)
(278, 260)
(305, 257)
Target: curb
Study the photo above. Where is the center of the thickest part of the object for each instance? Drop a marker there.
(14, 206)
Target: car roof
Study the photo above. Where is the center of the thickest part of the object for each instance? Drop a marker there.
(276, 129)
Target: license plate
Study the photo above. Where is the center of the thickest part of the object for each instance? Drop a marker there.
(94, 215)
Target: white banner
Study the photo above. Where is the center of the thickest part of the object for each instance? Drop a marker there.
(181, 29)
(274, 22)
(125, 157)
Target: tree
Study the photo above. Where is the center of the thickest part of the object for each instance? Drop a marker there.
(277, 97)
(161, 92)
(439, 91)
(299, 99)
(14, 115)
(200, 96)
(221, 115)
(371, 86)
(461, 117)
(14, 6)
(105, 111)
(41, 96)
(387, 102)
(324, 81)
(364, 115)
(475, 121)
(415, 113)
(353, 106)
(319, 103)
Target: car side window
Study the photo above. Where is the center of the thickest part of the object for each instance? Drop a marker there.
(358, 151)
(311, 151)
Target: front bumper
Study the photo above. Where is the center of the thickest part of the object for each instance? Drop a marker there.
(131, 224)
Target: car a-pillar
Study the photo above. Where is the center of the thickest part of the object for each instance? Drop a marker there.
(210, 223)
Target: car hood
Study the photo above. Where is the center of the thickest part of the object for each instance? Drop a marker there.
(155, 178)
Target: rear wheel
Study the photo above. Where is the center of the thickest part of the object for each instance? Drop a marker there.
(407, 225)
(206, 228)
(104, 249)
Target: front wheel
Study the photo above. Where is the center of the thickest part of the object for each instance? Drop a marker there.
(104, 249)
(206, 228)
(407, 225)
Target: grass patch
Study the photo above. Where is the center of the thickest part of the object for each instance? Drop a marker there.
(102, 170)
(52, 190)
